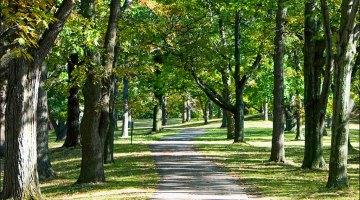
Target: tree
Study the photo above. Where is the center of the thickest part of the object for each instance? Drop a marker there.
(73, 106)
(95, 123)
(45, 170)
(20, 169)
(315, 90)
(349, 33)
(3, 87)
(277, 145)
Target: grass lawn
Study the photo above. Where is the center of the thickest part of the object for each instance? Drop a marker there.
(133, 176)
(248, 162)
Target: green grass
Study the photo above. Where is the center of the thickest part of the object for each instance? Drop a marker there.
(133, 176)
(249, 163)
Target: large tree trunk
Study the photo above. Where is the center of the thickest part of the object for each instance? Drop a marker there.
(20, 166)
(125, 120)
(341, 105)
(73, 109)
(92, 162)
(277, 145)
(45, 170)
(3, 87)
(315, 99)
(95, 126)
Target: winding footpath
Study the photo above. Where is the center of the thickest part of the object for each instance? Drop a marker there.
(186, 174)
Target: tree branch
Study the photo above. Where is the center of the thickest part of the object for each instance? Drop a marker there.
(212, 94)
(50, 35)
(254, 67)
(329, 53)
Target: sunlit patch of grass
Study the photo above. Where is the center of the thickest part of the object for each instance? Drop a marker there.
(249, 162)
(132, 176)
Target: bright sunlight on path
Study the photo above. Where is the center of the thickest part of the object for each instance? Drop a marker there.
(185, 174)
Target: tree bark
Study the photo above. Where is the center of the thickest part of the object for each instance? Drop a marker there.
(224, 119)
(238, 89)
(184, 113)
(266, 110)
(73, 118)
(125, 121)
(346, 49)
(290, 118)
(211, 109)
(277, 145)
(163, 111)
(315, 99)
(92, 162)
(188, 111)
(3, 88)
(157, 116)
(109, 141)
(45, 170)
(20, 166)
(95, 122)
(298, 135)
(230, 125)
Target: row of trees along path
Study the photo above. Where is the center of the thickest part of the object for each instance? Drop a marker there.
(204, 40)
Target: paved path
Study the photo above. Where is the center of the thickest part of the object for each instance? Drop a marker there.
(185, 174)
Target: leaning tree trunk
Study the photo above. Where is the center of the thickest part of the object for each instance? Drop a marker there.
(73, 107)
(20, 167)
(277, 145)
(3, 87)
(45, 170)
(346, 49)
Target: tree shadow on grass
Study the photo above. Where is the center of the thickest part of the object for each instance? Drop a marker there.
(131, 171)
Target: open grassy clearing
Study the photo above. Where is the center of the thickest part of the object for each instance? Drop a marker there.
(249, 163)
